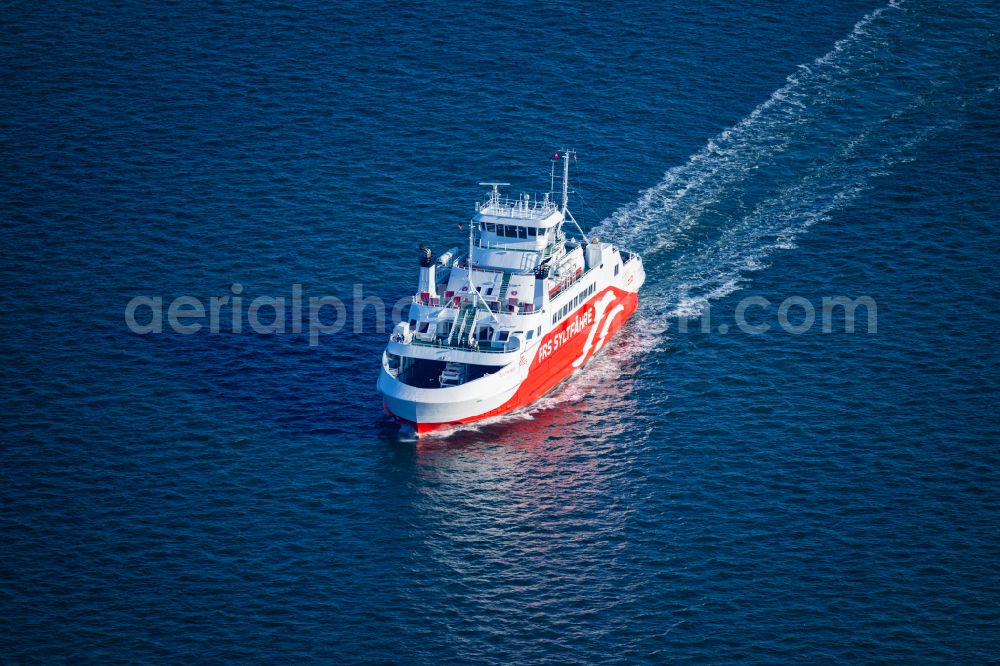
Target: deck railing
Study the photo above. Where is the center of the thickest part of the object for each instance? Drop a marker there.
(514, 208)
(487, 347)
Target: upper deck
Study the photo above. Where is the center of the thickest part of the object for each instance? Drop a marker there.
(504, 210)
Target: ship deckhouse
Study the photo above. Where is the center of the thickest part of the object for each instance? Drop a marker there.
(516, 235)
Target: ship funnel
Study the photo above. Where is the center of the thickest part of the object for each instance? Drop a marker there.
(427, 281)
(426, 256)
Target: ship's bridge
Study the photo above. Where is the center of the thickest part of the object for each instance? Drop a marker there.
(516, 234)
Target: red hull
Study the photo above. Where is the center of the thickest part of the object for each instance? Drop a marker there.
(554, 358)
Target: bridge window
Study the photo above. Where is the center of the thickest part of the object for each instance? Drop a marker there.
(532, 232)
(522, 232)
(502, 336)
(510, 231)
(491, 227)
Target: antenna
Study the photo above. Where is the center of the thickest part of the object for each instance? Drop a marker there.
(495, 194)
(565, 192)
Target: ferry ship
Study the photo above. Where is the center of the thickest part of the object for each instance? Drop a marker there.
(496, 327)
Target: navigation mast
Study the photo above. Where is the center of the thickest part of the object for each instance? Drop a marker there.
(565, 198)
(565, 193)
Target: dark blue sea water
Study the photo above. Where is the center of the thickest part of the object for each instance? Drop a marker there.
(692, 497)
